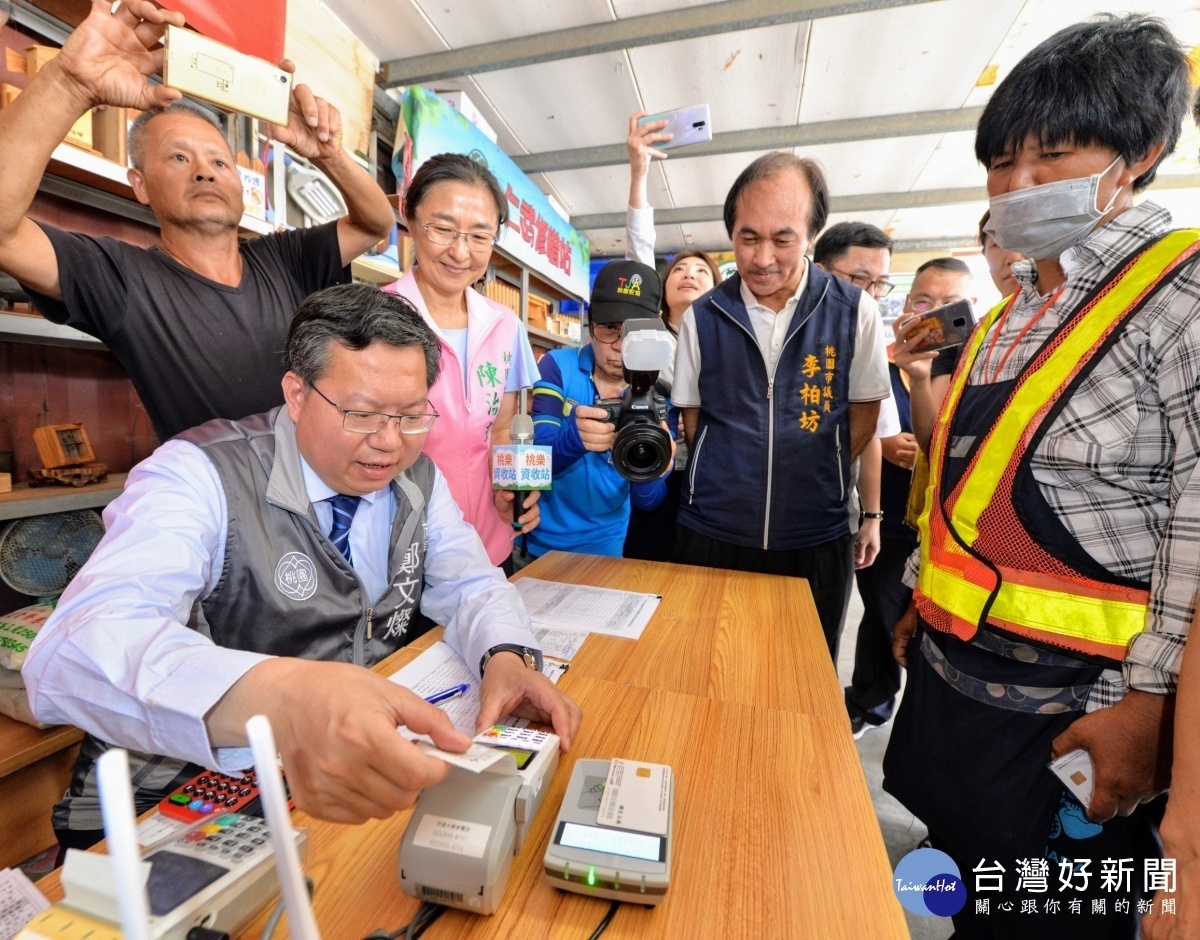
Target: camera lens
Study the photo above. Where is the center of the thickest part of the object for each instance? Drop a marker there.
(641, 452)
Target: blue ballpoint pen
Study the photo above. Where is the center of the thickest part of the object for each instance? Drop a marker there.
(445, 694)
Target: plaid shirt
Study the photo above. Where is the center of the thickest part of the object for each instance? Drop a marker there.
(1118, 466)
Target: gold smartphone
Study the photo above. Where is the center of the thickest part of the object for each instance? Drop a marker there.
(206, 69)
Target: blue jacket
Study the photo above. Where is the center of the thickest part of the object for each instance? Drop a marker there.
(770, 464)
(587, 507)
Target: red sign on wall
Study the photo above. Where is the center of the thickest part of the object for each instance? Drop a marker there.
(254, 28)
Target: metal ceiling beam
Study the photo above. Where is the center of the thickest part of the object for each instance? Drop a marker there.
(870, 202)
(769, 138)
(628, 33)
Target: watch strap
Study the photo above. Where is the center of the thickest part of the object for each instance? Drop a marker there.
(532, 657)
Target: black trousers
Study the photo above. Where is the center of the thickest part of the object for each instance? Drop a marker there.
(871, 694)
(976, 775)
(827, 567)
(651, 534)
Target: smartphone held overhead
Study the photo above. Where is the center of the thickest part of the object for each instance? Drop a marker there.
(206, 69)
(691, 125)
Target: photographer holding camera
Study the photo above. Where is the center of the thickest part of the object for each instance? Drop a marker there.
(597, 407)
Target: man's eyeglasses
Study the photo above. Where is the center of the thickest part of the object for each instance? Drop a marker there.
(924, 306)
(372, 422)
(879, 288)
(445, 235)
(606, 333)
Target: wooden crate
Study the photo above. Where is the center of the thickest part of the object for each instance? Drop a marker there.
(63, 445)
(8, 93)
(36, 57)
(538, 313)
(110, 132)
(80, 134)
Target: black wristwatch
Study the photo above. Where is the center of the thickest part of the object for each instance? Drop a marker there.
(532, 658)
(871, 515)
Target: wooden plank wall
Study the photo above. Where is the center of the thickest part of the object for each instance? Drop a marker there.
(339, 68)
(55, 385)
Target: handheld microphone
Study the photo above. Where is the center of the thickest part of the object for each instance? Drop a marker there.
(521, 466)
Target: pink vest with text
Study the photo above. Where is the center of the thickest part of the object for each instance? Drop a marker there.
(460, 440)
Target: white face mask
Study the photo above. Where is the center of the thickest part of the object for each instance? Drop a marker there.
(1042, 222)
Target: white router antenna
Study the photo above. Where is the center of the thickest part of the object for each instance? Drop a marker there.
(301, 923)
(116, 803)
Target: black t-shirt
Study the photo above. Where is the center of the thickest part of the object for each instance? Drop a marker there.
(194, 349)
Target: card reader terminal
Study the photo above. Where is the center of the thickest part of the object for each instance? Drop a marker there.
(459, 845)
(593, 851)
(219, 874)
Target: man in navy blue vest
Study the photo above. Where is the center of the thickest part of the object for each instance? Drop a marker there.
(779, 373)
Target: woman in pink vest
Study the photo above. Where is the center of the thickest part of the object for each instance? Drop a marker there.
(454, 209)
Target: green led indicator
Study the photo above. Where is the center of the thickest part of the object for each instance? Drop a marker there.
(592, 875)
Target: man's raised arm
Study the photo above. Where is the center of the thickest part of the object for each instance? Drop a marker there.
(314, 131)
(105, 61)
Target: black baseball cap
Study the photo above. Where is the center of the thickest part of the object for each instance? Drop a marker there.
(625, 290)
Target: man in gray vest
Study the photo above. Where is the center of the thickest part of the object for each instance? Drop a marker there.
(311, 532)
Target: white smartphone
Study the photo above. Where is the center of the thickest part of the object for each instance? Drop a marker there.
(691, 125)
(1076, 770)
(206, 69)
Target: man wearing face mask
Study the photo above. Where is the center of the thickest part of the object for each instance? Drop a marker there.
(1059, 552)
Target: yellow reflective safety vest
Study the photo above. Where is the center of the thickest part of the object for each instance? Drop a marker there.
(980, 566)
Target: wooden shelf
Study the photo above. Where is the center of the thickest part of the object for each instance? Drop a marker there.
(86, 168)
(543, 338)
(377, 269)
(25, 501)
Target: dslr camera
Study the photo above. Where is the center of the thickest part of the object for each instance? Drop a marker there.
(642, 449)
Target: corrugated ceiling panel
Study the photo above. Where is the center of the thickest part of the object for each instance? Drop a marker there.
(606, 188)
(749, 79)
(582, 102)
(475, 22)
(958, 220)
(919, 58)
(878, 219)
(872, 166)
(391, 29)
(1040, 19)
(952, 164)
(704, 181)
(707, 236)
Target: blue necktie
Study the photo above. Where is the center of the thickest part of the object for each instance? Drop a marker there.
(344, 508)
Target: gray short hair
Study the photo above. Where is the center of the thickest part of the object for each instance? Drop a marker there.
(136, 140)
(356, 315)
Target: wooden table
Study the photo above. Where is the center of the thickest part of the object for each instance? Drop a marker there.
(731, 684)
(35, 769)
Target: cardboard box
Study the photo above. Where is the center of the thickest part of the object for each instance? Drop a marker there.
(5, 482)
(63, 445)
(110, 132)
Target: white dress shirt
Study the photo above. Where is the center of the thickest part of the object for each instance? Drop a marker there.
(869, 380)
(117, 657)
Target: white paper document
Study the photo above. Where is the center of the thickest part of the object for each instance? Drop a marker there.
(561, 644)
(20, 902)
(583, 609)
(440, 668)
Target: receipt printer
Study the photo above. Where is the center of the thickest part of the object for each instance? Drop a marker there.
(459, 845)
